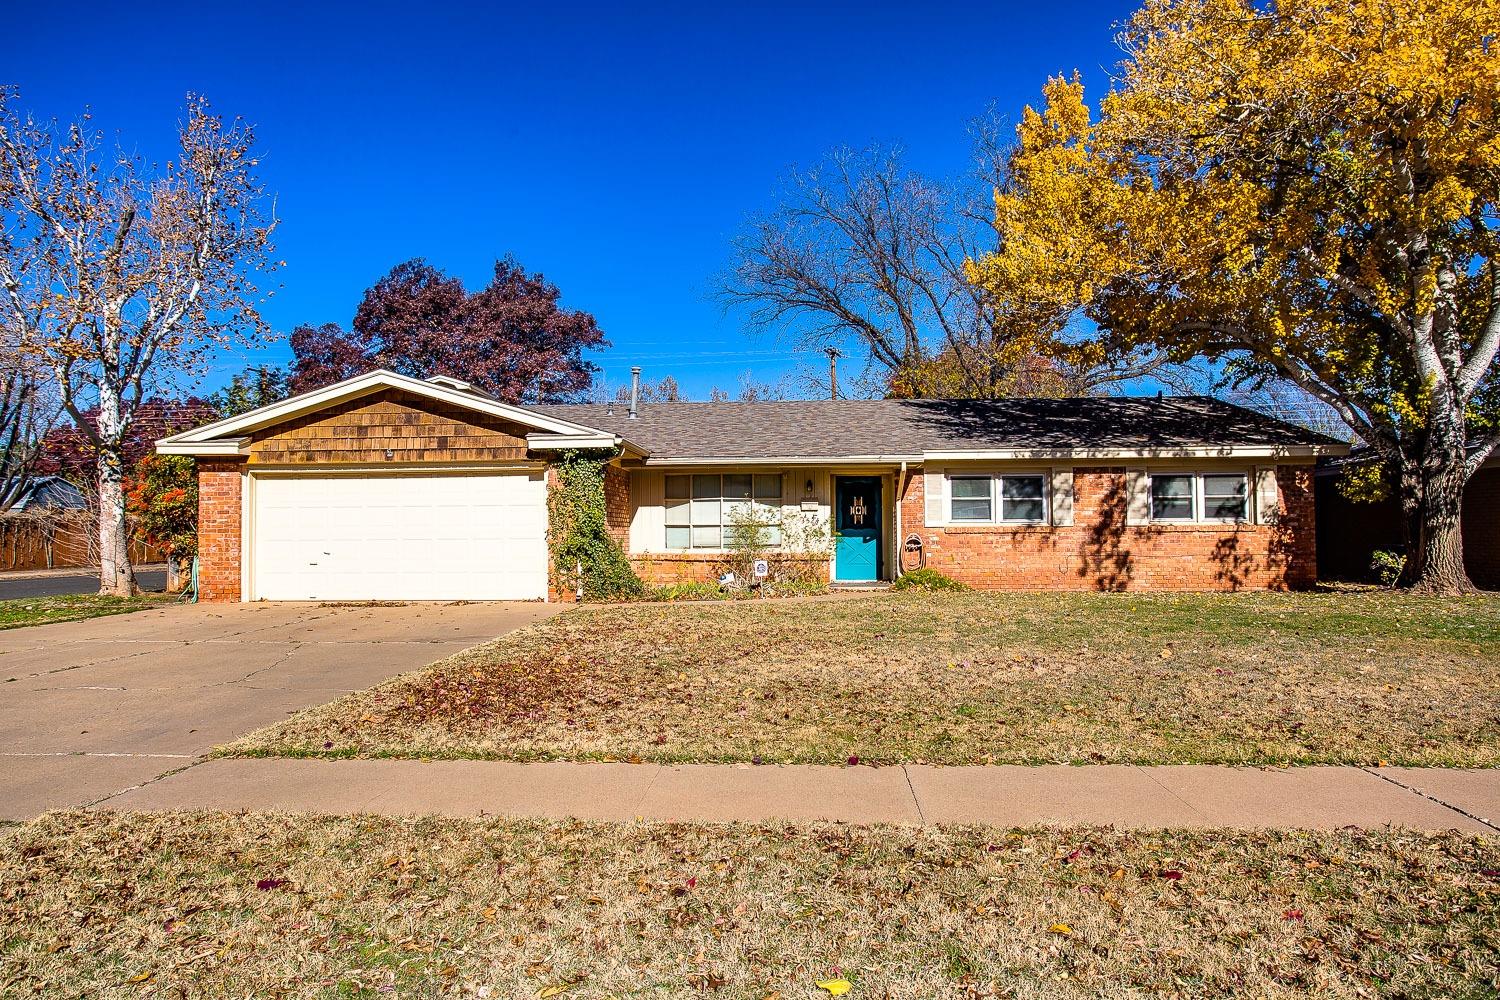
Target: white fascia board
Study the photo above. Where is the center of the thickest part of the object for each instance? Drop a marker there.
(364, 385)
(1226, 451)
(891, 460)
(561, 442)
(222, 448)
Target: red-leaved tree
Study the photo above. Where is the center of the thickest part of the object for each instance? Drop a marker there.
(511, 338)
(68, 451)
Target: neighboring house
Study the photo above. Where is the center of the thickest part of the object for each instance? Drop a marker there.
(47, 528)
(51, 527)
(1350, 532)
(387, 487)
(50, 494)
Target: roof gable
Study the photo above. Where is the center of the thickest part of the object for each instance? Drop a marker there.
(233, 434)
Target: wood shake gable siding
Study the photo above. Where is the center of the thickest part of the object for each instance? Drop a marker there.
(359, 432)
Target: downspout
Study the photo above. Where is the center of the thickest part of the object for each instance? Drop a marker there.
(896, 549)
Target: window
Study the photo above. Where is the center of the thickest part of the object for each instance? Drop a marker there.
(1225, 497)
(701, 508)
(971, 498)
(1021, 499)
(1171, 498)
(1213, 496)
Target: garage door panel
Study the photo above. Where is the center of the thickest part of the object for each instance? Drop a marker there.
(458, 537)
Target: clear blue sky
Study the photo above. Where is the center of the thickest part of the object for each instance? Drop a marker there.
(616, 149)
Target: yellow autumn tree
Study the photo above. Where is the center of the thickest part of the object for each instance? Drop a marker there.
(1304, 192)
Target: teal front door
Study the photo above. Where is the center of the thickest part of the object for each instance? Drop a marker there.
(857, 554)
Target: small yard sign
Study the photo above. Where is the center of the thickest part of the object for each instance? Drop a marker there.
(762, 569)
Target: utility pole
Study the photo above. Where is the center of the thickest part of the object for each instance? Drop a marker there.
(833, 371)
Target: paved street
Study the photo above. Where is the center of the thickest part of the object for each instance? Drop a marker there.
(27, 585)
(90, 708)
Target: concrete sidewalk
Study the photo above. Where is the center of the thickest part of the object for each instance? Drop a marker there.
(1121, 795)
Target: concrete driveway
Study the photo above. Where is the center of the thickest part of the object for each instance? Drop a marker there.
(88, 709)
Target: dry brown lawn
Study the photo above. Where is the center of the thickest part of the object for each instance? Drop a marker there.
(1346, 678)
(211, 905)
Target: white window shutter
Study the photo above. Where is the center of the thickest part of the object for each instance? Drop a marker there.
(1267, 499)
(1062, 496)
(934, 483)
(1137, 497)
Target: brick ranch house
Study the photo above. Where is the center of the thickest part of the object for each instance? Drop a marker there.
(384, 487)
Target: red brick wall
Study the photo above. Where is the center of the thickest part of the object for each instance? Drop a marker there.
(219, 529)
(617, 504)
(662, 568)
(1099, 551)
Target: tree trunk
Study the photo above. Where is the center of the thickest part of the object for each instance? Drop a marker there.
(1435, 558)
(115, 574)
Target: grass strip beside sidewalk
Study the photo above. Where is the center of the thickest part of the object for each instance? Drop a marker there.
(101, 904)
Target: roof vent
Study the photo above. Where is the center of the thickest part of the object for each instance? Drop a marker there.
(454, 383)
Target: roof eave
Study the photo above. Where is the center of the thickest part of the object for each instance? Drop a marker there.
(783, 460)
(364, 385)
(220, 448)
(1165, 451)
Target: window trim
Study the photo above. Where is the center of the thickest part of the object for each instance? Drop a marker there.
(997, 518)
(1198, 501)
(777, 504)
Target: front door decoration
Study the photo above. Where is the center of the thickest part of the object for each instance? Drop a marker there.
(857, 549)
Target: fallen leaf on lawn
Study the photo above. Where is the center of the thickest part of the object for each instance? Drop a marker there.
(1166, 654)
(1062, 929)
(835, 987)
(554, 991)
(141, 977)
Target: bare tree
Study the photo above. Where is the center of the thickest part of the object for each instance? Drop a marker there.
(118, 274)
(862, 252)
(28, 409)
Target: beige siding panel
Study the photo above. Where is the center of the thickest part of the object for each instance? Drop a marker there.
(1267, 500)
(794, 491)
(648, 521)
(1062, 496)
(1137, 496)
(934, 489)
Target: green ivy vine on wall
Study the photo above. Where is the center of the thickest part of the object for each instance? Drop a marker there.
(586, 557)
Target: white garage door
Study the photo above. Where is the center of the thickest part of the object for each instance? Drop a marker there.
(393, 537)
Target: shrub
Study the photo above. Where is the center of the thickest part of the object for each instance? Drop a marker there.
(1386, 566)
(704, 591)
(795, 546)
(586, 557)
(692, 591)
(926, 579)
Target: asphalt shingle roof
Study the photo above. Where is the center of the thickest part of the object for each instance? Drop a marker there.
(889, 427)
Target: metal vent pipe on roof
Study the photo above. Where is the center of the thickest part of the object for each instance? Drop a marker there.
(635, 390)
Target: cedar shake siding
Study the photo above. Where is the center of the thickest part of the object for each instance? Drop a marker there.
(413, 430)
